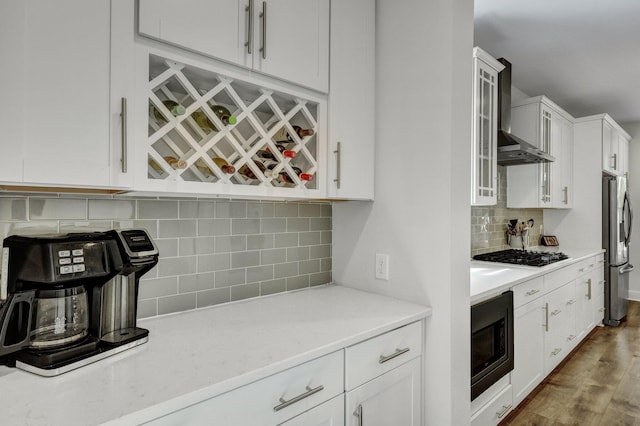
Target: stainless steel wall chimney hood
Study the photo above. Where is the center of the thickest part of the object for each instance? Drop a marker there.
(511, 149)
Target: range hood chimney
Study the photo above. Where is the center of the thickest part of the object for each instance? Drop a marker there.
(511, 149)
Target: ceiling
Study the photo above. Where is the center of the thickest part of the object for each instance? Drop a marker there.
(582, 54)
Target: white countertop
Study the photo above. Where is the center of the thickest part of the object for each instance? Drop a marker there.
(489, 278)
(195, 355)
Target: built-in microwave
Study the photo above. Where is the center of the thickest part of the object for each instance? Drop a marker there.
(491, 342)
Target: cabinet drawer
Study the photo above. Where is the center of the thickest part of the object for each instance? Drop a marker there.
(586, 266)
(496, 410)
(560, 277)
(528, 291)
(269, 401)
(378, 355)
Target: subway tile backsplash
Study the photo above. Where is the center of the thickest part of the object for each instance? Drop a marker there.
(489, 224)
(211, 252)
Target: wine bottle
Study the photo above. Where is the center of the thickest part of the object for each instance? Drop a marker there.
(174, 107)
(220, 162)
(245, 170)
(287, 153)
(284, 136)
(223, 114)
(172, 161)
(205, 124)
(284, 176)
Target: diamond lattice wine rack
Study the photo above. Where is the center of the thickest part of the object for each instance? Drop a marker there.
(270, 138)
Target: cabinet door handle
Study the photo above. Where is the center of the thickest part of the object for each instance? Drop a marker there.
(249, 13)
(566, 194)
(571, 337)
(307, 394)
(614, 157)
(505, 410)
(571, 302)
(359, 414)
(337, 153)
(263, 17)
(556, 352)
(123, 135)
(397, 353)
(532, 292)
(589, 288)
(546, 317)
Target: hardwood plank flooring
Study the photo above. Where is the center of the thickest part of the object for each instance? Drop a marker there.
(599, 384)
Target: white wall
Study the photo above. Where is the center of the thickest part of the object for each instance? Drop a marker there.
(634, 190)
(421, 213)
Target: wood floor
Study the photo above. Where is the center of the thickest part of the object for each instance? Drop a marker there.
(598, 385)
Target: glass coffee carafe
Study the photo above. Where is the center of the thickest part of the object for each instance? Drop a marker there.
(61, 317)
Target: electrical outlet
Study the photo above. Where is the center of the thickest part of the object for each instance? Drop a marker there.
(382, 266)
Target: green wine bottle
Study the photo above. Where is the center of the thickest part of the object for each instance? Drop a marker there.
(174, 108)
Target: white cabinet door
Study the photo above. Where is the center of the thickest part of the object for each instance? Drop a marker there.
(484, 167)
(293, 40)
(288, 39)
(390, 399)
(528, 369)
(559, 324)
(544, 185)
(609, 148)
(352, 100)
(563, 166)
(331, 413)
(64, 95)
(216, 28)
(623, 155)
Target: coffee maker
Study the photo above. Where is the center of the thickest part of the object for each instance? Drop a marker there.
(68, 300)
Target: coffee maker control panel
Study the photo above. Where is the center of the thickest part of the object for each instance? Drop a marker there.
(80, 259)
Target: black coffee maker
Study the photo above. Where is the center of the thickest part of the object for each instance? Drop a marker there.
(71, 299)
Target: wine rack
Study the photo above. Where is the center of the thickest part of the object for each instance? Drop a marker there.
(195, 145)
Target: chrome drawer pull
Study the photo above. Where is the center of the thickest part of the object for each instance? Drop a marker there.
(556, 352)
(308, 393)
(360, 415)
(397, 353)
(532, 292)
(556, 312)
(505, 409)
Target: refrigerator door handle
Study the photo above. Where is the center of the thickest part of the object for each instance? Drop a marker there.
(627, 206)
(628, 268)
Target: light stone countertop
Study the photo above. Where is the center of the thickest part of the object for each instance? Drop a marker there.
(195, 355)
(489, 279)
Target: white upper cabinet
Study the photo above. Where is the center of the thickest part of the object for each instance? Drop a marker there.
(352, 100)
(484, 172)
(287, 39)
(550, 128)
(71, 64)
(614, 140)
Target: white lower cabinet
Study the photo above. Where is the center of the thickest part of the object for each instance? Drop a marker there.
(528, 370)
(381, 377)
(390, 399)
(491, 407)
(330, 413)
(553, 314)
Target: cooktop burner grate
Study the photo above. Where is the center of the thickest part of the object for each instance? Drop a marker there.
(521, 257)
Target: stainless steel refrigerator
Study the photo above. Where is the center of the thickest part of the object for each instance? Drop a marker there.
(617, 219)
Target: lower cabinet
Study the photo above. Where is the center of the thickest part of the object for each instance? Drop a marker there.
(390, 399)
(528, 369)
(378, 381)
(553, 313)
(330, 413)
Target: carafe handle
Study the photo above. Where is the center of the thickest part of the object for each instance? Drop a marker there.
(16, 301)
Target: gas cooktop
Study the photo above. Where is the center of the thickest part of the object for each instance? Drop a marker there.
(521, 257)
